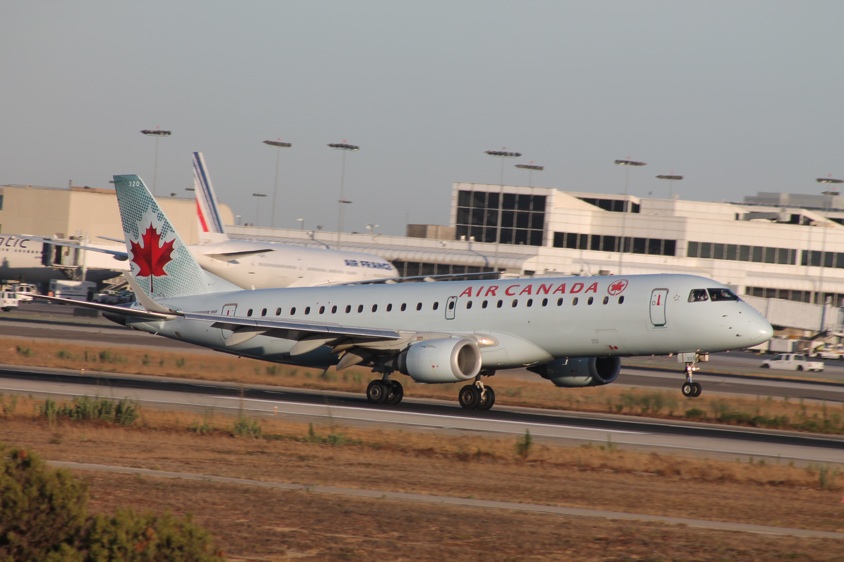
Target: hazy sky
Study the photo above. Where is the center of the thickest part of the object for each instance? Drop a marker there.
(737, 96)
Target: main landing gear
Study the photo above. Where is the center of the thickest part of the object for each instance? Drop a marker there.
(475, 396)
(690, 388)
(385, 391)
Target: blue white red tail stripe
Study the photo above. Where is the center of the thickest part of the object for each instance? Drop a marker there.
(206, 200)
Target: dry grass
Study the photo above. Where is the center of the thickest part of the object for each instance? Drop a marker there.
(757, 411)
(260, 524)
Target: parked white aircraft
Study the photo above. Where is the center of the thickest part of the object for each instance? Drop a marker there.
(251, 264)
(247, 264)
(570, 330)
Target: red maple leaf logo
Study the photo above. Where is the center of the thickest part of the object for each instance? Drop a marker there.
(152, 256)
(617, 287)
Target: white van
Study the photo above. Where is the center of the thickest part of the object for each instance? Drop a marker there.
(8, 300)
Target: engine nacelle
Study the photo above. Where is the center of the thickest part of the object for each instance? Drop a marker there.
(575, 372)
(441, 360)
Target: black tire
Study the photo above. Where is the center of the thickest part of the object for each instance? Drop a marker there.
(469, 397)
(799, 367)
(697, 390)
(395, 394)
(766, 366)
(688, 390)
(488, 399)
(376, 392)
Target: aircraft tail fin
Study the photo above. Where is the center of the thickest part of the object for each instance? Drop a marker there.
(159, 261)
(208, 217)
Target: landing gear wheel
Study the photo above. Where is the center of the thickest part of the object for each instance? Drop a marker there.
(470, 397)
(395, 392)
(692, 389)
(488, 399)
(377, 391)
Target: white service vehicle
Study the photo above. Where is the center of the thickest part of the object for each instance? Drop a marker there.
(792, 362)
(8, 300)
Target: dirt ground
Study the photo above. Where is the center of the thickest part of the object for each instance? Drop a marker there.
(255, 523)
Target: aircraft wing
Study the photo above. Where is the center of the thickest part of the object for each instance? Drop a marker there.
(310, 335)
(229, 256)
(116, 309)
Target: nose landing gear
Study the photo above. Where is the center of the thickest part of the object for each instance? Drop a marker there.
(690, 388)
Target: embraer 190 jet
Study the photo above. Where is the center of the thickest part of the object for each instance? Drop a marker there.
(569, 330)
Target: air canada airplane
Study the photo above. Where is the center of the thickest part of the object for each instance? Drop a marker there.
(569, 330)
(251, 264)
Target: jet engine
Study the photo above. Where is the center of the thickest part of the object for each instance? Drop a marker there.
(441, 360)
(575, 372)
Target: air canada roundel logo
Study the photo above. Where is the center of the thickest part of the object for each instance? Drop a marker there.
(617, 287)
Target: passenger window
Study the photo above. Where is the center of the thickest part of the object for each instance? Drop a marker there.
(560, 302)
(451, 305)
(544, 302)
(500, 303)
(484, 304)
(293, 311)
(263, 312)
(374, 307)
(348, 308)
(698, 295)
(360, 308)
(468, 305)
(606, 300)
(436, 306)
(530, 302)
(278, 312)
(590, 301)
(620, 300)
(403, 307)
(515, 302)
(419, 306)
(322, 310)
(307, 310)
(249, 312)
(722, 295)
(334, 309)
(389, 307)
(573, 301)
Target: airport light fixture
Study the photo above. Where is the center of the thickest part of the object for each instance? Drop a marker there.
(830, 192)
(258, 197)
(530, 168)
(627, 165)
(156, 133)
(504, 154)
(671, 178)
(344, 147)
(279, 144)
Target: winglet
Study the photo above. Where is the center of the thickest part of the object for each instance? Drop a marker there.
(208, 216)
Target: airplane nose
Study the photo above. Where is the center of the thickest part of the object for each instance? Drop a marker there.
(759, 330)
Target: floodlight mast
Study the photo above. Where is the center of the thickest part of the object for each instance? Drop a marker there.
(344, 147)
(279, 144)
(503, 154)
(157, 133)
(828, 194)
(627, 165)
(671, 179)
(530, 168)
(257, 197)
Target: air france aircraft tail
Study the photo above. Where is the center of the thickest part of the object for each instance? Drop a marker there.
(160, 263)
(209, 222)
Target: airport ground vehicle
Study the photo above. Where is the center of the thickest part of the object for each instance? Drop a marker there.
(792, 362)
(8, 300)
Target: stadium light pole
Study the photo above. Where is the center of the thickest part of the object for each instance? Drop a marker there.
(671, 179)
(504, 154)
(828, 194)
(530, 168)
(257, 197)
(344, 148)
(279, 144)
(157, 133)
(627, 165)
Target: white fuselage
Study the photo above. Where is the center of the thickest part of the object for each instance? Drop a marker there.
(521, 322)
(288, 266)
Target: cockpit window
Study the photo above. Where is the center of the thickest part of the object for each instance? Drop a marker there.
(698, 295)
(722, 295)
